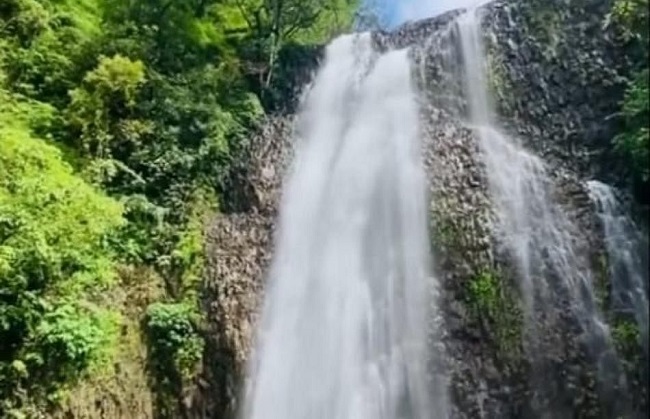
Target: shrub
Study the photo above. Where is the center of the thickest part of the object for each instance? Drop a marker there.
(175, 342)
(634, 141)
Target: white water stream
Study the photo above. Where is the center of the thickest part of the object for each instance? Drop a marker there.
(536, 231)
(625, 245)
(343, 329)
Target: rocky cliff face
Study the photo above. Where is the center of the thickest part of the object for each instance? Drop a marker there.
(559, 77)
(557, 80)
(239, 247)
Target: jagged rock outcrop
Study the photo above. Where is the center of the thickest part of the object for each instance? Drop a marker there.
(557, 79)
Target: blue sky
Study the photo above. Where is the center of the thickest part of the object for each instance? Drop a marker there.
(396, 12)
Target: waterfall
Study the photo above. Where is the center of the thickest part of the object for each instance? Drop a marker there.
(343, 327)
(536, 232)
(534, 228)
(625, 245)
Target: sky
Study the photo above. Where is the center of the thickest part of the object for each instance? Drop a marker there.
(396, 12)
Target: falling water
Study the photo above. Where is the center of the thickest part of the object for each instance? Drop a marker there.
(625, 245)
(535, 231)
(342, 334)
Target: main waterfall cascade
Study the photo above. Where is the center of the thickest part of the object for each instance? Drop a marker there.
(342, 333)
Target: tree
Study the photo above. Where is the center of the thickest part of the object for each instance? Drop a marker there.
(274, 22)
(100, 108)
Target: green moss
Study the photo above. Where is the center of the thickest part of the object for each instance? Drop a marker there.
(626, 337)
(627, 341)
(490, 300)
(125, 379)
(492, 303)
(176, 350)
(498, 83)
(484, 293)
(496, 78)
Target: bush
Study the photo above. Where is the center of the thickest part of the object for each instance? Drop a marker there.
(49, 41)
(626, 337)
(100, 107)
(175, 342)
(73, 340)
(634, 141)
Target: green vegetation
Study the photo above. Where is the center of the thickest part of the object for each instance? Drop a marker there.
(626, 337)
(177, 348)
(446, 234)
(497, 80)
(172, 329)
(54, 264)
(633, 143)
(119, 123)
(484, 293)
(491, 301)
(492, 304)
(545, 24)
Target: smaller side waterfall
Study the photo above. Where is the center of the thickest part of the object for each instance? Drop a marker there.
(626, 247)
(535, 230)
(548, 250)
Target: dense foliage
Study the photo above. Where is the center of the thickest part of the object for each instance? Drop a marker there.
(54, 263)
(633, 24)
(119, 122)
